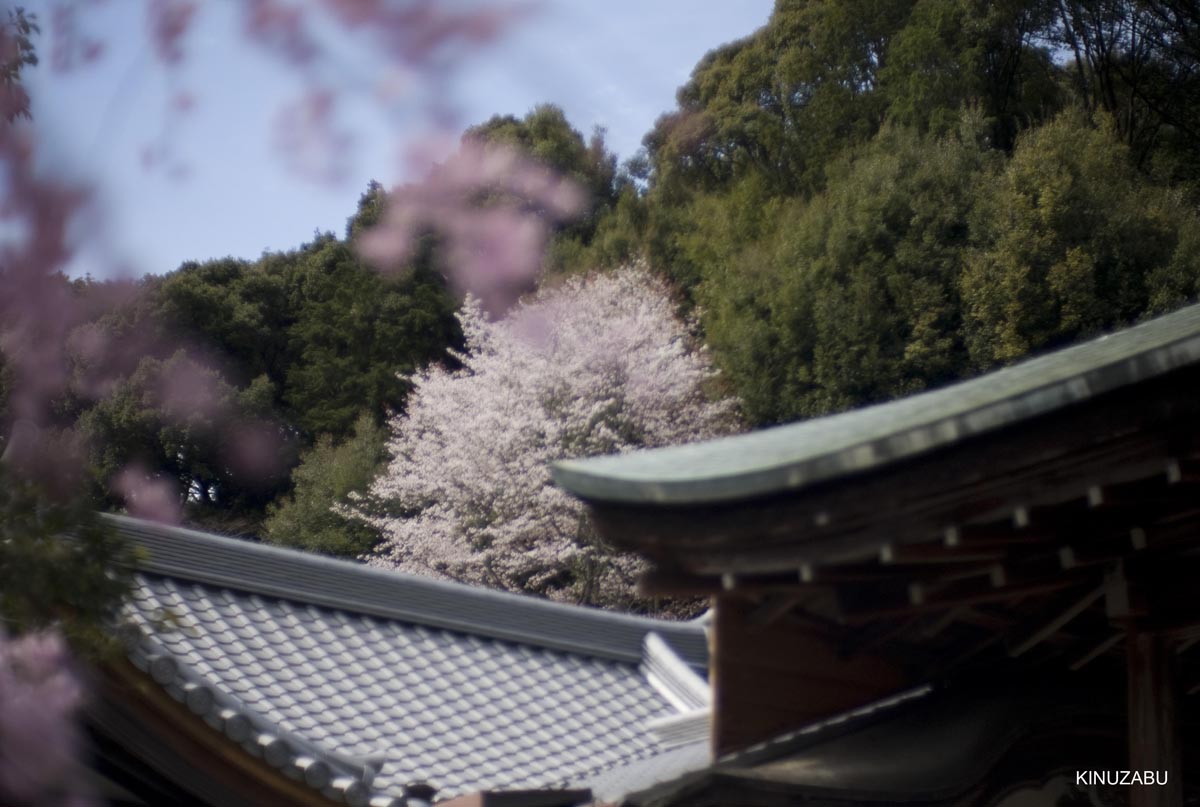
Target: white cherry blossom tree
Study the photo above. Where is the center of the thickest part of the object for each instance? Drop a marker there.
(593, 366)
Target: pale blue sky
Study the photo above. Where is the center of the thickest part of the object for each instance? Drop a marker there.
(615, 64)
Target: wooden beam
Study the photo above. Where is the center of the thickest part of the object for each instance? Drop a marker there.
(929, 574)
(966, 654)
(1113, 532)
(1183, 633)
(774, 607)
(992, 536)
(684, 584)
(973, 596)
(811, 577)
(936, 626)
(878, 635)
(914, 554)
(1057, 622)
(1097, 651)
(990, 622)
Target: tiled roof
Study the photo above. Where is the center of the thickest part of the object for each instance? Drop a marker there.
(789, 458)
(359, 681)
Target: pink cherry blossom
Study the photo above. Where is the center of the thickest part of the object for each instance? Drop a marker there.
(39, 696)
(593, 366)
(494, 244)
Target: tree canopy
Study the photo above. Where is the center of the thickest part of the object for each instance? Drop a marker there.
(591, 366)
(308, 517)
(867, 199)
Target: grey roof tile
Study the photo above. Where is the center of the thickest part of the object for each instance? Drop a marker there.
(457, 690)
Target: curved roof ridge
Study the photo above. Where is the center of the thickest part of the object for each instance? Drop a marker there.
(794, 456)
(289, 574)
(672, 677)
(685, 728)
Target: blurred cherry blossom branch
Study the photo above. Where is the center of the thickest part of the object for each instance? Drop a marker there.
(490, 206)
(494, 245)
(39, 696)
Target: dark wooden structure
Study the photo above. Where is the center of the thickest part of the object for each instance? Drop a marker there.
(1045, 517)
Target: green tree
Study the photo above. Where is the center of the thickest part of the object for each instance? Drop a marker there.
(240, 308)
(1072, 241)
(354, 334)
(75, 585)
(328, 333)
(369, 212)
(180, 421)
(852, 298)
(16, 39)
(782, 101)
(326, 476)
(957, 53)
(762, 118)
(293, 345)
(1139, 62)
(545, 135)
(620, 232)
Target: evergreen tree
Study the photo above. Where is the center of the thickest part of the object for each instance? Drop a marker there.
(327, 475)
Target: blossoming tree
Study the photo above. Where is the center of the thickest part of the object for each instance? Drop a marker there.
(593, 366)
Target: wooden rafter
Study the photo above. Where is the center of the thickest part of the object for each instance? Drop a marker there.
(1056, 622)
(974, 595)
(1097, 651)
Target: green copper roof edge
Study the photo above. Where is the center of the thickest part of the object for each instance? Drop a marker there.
(794, 456)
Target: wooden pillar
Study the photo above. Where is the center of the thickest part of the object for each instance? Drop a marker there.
(1153, 724)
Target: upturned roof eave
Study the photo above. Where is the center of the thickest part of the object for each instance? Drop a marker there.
(790, 458)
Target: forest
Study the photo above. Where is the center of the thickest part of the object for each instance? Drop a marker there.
(863, 199)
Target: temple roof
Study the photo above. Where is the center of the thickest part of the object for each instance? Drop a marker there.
(359, 681)
(793, 457)
(1040, 517)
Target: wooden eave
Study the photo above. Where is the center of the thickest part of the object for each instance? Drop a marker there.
(1067, 519)
(793, 458)
(984, 544)
(162, 738)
